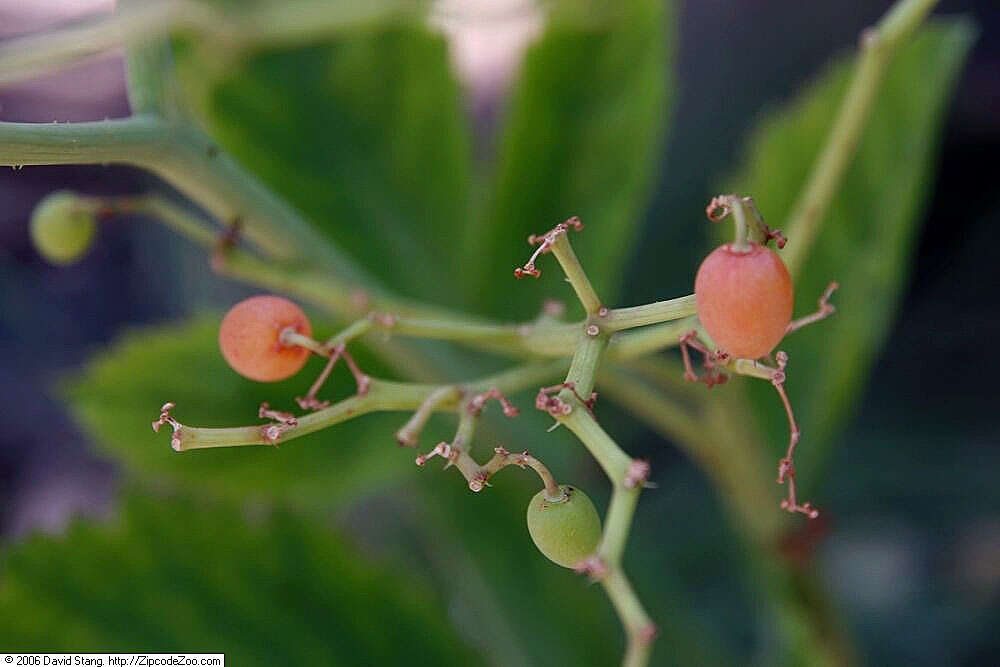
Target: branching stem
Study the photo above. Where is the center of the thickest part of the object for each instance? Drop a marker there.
(606, 565)
(382, 395)
(618, 319)
(502, 458)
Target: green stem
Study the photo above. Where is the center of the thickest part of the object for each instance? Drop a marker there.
(618, 524)
(550, 340)
(575, 274)
(149, 73)
(741, 239)
(503, 458)
(382, 395)
(616, 464)
(188, 160)
(466, 427)
(718, 436)
(291, 21)
(172, 214)
(351, 332)
(639, 629)
(878, 46)
(618, 319)
(601, 446)
(583, 368)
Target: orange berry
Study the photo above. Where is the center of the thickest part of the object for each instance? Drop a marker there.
(249, 338)
(744, 299)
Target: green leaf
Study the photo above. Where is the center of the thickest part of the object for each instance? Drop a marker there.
(121, 390)
(363, 133)
(173, 575)
(867, 238)
(581, 137)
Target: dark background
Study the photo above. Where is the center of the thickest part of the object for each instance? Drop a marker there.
(914, 551)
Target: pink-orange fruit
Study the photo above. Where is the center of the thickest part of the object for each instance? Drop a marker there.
(744, 299)
(249, 338)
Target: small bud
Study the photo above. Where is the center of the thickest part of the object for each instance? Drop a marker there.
(477, 483)
(593, 567)
(637, 474)
(647, 634)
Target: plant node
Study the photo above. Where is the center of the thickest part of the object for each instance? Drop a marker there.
(442, 449)
(478, 402)
(165, 418)
(750, 225)
(713, 376)
(283, 421)
(547, 401)
(384, 320)
(646, 635)
(637, 474)
(592, 566)
(544, 243)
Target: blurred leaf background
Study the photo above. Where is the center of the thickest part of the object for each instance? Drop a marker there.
(335, 547)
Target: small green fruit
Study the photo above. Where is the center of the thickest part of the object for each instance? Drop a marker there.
(565, 531)
(62, 227)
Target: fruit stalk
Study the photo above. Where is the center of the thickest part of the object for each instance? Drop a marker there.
(383, 395)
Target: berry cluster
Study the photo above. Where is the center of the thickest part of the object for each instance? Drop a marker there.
(743, 299)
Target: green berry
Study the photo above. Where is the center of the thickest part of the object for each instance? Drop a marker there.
(565, 531)
(62, 227)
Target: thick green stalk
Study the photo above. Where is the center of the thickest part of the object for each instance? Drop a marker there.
(878, 45)
(650, 313)
(138, 23)
(575, 274)
(382, 395)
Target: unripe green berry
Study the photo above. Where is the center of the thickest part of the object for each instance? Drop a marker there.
(62, 227)
(566, 531)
